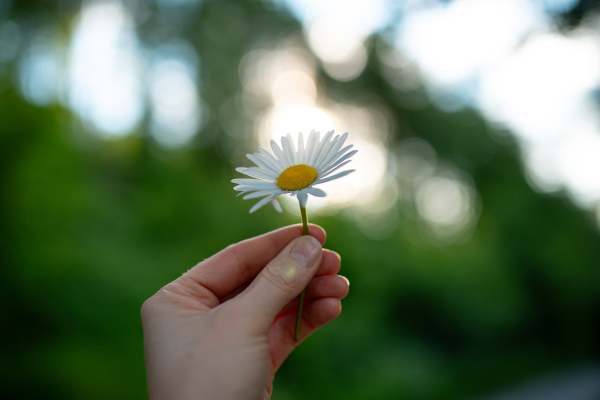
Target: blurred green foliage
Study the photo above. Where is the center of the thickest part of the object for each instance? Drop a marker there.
(91, 228)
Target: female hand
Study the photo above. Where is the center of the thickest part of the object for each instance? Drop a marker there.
(223, 329)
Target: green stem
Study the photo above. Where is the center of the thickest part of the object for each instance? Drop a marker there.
(304, 220)
(301, 299)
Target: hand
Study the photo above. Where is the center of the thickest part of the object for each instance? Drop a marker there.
(223, 329)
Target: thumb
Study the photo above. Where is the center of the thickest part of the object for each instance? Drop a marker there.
(282, 280)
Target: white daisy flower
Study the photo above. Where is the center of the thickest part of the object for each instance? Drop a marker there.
(294, 171)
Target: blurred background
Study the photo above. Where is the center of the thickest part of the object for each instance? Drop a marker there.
(469, 231)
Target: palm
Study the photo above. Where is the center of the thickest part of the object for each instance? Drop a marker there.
(223, 303)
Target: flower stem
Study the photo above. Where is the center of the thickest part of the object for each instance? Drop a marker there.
(304, 220)
(301, 299)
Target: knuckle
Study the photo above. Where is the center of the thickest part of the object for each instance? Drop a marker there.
(148, 309)
(282, 274)
(154, 305)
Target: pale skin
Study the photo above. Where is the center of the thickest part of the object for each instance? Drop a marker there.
(222, 329)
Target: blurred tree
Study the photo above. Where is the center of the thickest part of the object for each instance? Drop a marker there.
(91, 227)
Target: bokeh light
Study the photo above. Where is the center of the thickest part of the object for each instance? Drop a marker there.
(336, 31)
(175, 104)
(470, 228)
(41, 67)
(551, 116)
(434, 192)
(284, 80)
(507, 59)
(448, 205)
(453, 40)
(105, 69)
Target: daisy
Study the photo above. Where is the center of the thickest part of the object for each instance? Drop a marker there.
(294, 171)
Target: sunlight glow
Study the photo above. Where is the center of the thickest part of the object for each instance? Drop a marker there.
(175, 104)
(362, 188)
(539, 89)
(105, 69)
(579, 164)
(454, 40)
(435, 193)
(447, 204)
(443, 201)
(336, 31)
(542, 172)
(285, 78)
(280, 121)
(543, 92)
(508, 59)
(268, 72)
(294, 87)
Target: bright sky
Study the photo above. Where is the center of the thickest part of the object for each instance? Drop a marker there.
(503, 57)
(528, 76)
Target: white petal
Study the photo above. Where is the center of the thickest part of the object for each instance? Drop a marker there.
(333, 154)
(276, 205)
(302, 197)
(339, 142)
(331, 143)
(301, 149)
(247, 189)
(343, 139)
(340, 153)
(327, 137)
(279, 154)
(253, 188)
(261, 203)
(244, 181)
(319, 181)
(257, 173)
(323, 147)
(294, 152)
(341, 160)
(287, 146)
(312, 147)
(315, 191)
(261, 162)
(253, 182)
(272, 159)
(261, 193)
(273, 175)
(331, 170)
(327, 152)
(259, 184)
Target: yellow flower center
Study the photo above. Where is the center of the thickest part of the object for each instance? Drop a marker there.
(297, 177)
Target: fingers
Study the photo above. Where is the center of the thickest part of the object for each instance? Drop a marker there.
(334, 286)
(316, 314)
(241, 262)
(327, 286)
(330, 264)
(319, 313)
(322, 305)
(280, 281)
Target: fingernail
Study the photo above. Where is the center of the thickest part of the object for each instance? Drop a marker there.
(346, 279)
(306, 251)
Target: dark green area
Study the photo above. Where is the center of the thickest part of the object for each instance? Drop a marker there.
(89, 229)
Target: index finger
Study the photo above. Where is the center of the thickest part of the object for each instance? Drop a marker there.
(238, 263)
